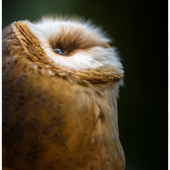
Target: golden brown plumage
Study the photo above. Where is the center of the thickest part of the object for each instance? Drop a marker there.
(56, 117)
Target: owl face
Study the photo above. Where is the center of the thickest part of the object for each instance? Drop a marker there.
(74, 44)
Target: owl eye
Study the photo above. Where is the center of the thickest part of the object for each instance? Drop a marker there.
(57, 50)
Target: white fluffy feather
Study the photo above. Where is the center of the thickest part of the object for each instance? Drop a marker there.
(83, 59)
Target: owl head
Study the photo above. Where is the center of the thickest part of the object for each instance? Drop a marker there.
(71, 47)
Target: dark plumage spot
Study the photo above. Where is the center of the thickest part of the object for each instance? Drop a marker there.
(101, 116)
(59, 51)
(52, 165)
(58, 159)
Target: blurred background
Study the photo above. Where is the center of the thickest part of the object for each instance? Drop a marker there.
(140, 30)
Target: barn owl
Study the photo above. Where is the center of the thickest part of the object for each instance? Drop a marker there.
(60, 87)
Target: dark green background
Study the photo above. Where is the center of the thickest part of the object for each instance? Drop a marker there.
(139, 28)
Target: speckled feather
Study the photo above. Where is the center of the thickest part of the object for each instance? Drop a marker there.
(56, 118)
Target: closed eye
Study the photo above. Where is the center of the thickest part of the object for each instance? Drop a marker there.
(59, 51)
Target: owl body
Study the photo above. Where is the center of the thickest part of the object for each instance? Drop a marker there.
(60, 111)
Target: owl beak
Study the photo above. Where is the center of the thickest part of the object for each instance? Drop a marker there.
(107, 45)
